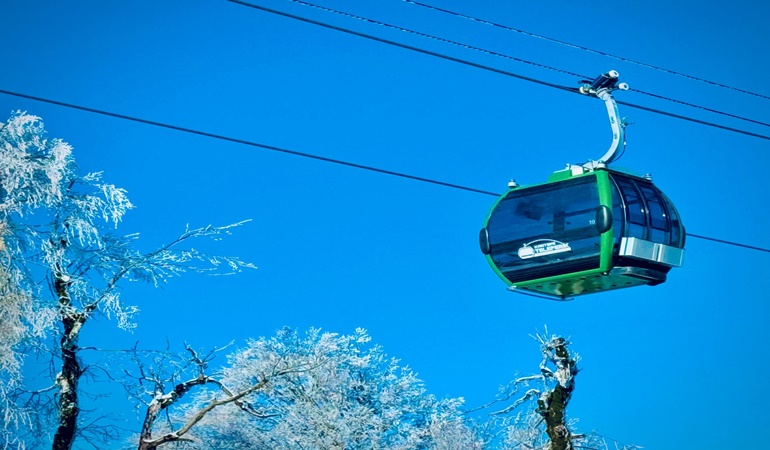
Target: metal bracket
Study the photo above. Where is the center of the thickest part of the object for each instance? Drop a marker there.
(602, 88)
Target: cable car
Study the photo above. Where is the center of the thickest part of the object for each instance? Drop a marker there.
(588, 229)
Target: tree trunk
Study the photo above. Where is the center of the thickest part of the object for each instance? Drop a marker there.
(552, 405)
(68, 378)
(555, 419)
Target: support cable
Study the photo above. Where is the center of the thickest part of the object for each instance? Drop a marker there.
(434, 38)
(587, 49)
(514, 58)
(404, 46)
(490, 68)
(245, 142)
(306, 155)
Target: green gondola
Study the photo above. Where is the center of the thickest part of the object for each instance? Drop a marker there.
(587, 229)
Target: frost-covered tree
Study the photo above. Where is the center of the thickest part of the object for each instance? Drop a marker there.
(329, 391)
(61, 264)
(536, 415)
(317, 391)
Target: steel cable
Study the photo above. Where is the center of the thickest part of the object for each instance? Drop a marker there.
(307, 155)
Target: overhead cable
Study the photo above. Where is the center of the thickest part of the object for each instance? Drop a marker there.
(514, 58)
(405, 46)
(580, 47)
(432, 37)
(244, 142)
(721, 241)
(488, 68)
(305, 155)
(692, 105)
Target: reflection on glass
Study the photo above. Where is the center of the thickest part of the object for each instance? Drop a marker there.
(546, 230)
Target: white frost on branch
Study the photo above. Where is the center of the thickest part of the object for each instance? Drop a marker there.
(324, 390)
(60, 260)
(32, 168)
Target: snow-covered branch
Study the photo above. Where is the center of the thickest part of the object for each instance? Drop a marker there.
(321, 390)
(57, 230)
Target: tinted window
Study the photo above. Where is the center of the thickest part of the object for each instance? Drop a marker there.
(635, 213)
(654, 204)
(658, 218)
(618, 214)
(545, 225)
(677, 229)
(648, 212)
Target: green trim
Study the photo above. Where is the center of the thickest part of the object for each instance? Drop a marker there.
(497, 271)
(486, 222)
(604, 187)
(605, 199)
(561, 175)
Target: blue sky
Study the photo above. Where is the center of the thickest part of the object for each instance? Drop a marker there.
(675, 366)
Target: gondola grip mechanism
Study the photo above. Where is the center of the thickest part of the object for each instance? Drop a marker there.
(602, 88)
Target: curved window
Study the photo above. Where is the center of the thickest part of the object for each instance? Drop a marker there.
(636, 213)
(649, 214)
(546, 230)
(677, 229)
(659, 222)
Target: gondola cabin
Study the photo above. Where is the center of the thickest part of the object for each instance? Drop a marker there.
(582, 232)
